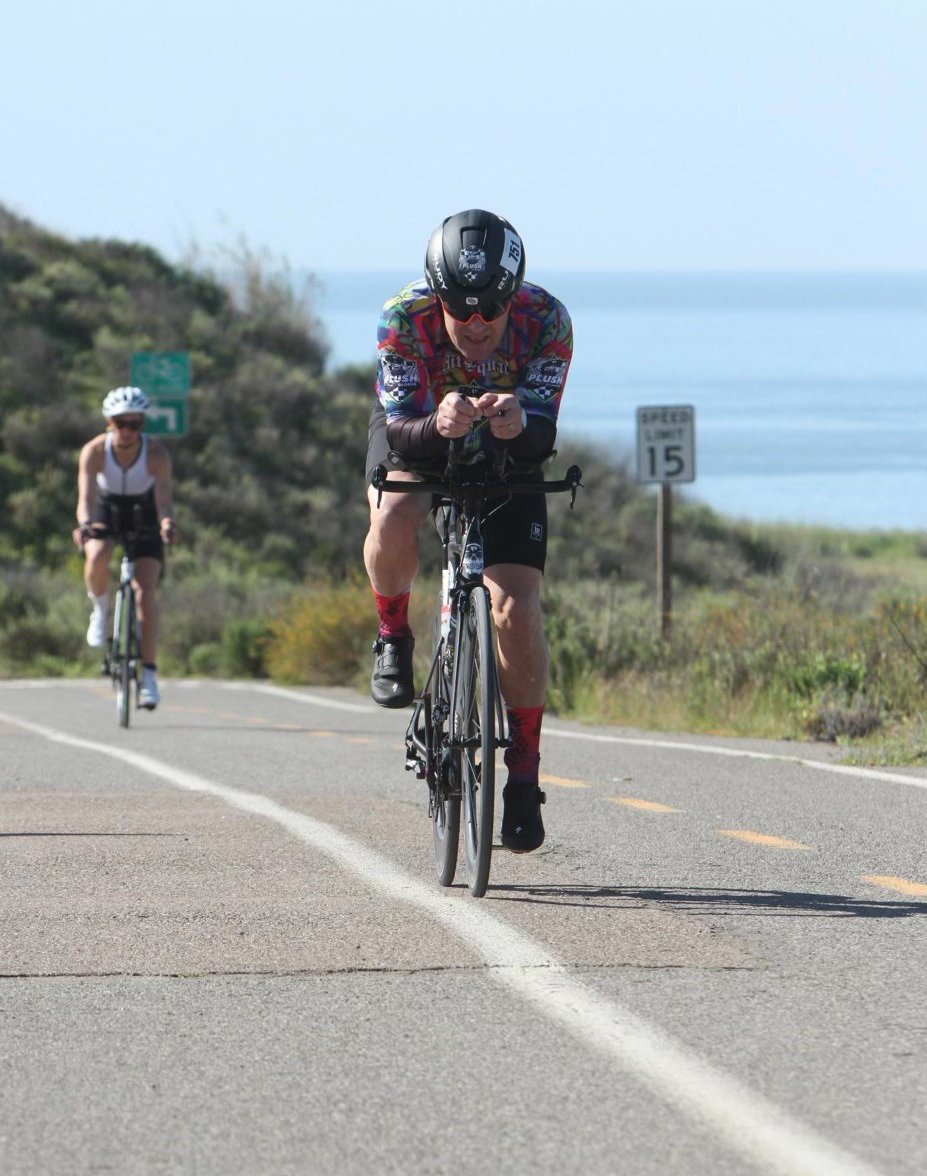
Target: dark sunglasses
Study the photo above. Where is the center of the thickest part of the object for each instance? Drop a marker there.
(488, 309)
(133, 423)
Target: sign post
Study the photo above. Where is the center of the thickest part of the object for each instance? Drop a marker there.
(665, 454)
(164, 377)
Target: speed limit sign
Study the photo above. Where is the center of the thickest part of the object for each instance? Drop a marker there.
(666, 443)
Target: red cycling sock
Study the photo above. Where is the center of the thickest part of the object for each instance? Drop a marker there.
(393, 612)
(523, 758)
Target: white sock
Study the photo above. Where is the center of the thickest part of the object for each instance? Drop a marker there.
(100, 603)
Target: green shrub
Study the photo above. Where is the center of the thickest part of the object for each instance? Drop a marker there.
(243, 648)
(820, 672)
(204, 661)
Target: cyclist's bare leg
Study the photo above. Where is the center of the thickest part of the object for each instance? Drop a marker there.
(515, 591)
(391, 546)
(516, 606)
(97, 554)
(147, 574)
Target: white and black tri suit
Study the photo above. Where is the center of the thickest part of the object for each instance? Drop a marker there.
(126, 500)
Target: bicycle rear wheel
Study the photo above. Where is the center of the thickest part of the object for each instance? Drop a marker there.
(474, 731)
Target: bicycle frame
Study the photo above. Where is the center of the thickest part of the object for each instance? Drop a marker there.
(462, 574)
(123, 658)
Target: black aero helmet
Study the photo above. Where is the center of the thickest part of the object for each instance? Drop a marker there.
(474, 263)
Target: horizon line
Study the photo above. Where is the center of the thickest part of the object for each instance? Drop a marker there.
(864, 271)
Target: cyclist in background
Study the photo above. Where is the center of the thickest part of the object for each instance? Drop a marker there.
(124, 485)
(472, 323)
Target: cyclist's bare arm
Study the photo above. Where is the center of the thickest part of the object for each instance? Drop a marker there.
(89, 465)
(159, 466)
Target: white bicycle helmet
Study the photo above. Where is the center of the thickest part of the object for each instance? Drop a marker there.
(123, 400)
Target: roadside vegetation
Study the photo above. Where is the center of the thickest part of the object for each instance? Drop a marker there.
(779, 632)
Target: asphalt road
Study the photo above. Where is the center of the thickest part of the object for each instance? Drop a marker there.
(223, 951)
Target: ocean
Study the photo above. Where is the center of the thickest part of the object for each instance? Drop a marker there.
(809, 390)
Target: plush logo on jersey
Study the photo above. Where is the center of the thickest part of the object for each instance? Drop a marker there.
(472, 265)
(399, 376)
(544, 377)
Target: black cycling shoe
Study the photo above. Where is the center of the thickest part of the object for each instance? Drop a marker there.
(522, 827)
(391, 681)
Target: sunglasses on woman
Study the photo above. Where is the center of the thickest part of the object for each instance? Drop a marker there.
(133, 423)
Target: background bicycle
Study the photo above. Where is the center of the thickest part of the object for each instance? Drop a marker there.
(123, 658)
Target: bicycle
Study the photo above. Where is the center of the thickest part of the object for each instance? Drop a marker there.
(458, 721)
(123, 657)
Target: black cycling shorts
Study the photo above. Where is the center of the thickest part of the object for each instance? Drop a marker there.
(515, 531)
(128, 514)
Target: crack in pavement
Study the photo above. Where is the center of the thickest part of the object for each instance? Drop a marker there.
(360, 970)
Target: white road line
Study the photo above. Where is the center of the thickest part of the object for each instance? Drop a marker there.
(740, 753)
(746, 1122)
(355, 708)
(310, 699)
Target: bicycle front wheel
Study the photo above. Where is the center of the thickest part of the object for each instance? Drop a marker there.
(474, 718)
(126, 660)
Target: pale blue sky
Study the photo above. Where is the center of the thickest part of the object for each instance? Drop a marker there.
(644, 135)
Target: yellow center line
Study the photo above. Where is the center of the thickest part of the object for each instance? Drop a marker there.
(562, 781)
(766, 839)
(322, 734)
(212, 713)
(902, 885)
(650, 806)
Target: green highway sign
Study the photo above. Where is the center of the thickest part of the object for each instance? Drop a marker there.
(161, 373)
(167, 417)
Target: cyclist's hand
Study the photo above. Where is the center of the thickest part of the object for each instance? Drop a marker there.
(168, 530)
(86, 531)
(456, 414)
(503, 412)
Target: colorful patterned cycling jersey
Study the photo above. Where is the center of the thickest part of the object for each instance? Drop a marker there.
(418, 365)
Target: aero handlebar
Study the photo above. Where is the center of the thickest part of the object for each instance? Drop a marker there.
(461, 485)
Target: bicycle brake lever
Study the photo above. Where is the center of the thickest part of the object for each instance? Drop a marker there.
(379, 477)
(575, 474)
